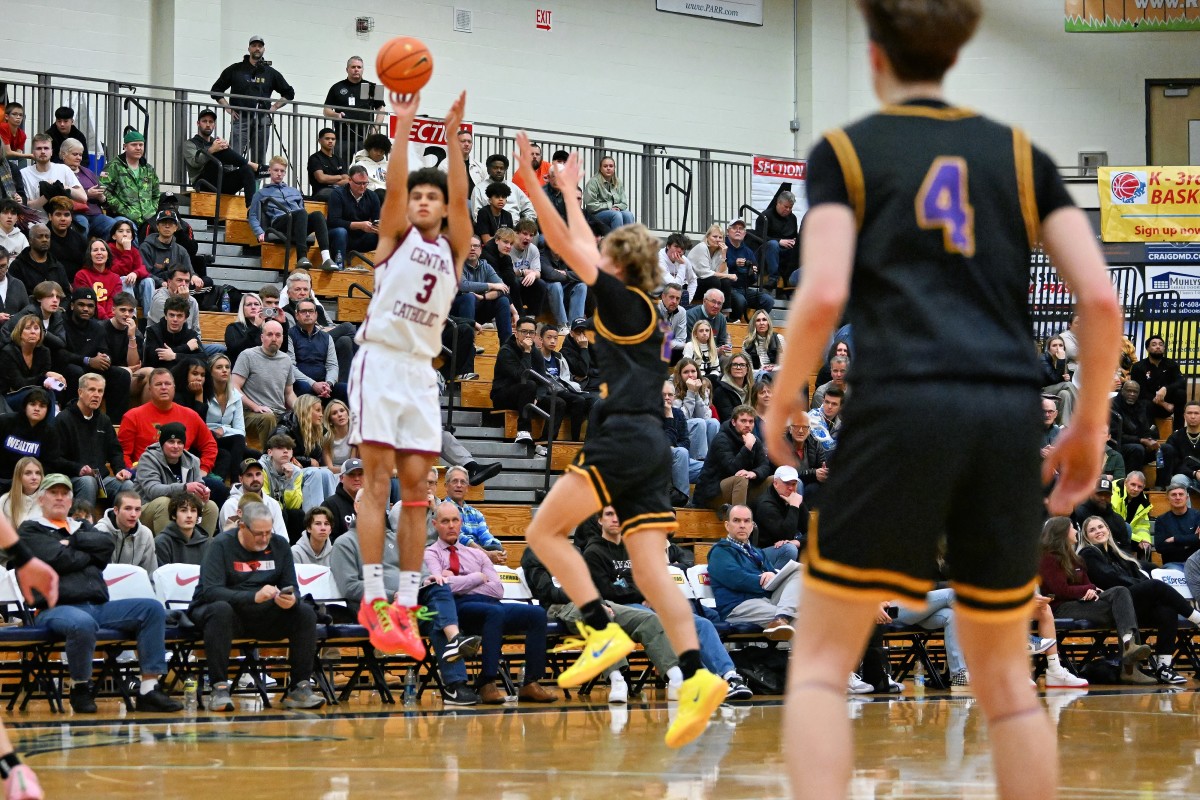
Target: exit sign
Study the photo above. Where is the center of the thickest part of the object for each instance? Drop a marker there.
(543, 19)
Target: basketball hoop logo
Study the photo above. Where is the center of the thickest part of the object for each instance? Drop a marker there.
(1127, 187)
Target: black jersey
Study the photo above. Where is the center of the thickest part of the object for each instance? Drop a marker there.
(633, 348)
(948, 206)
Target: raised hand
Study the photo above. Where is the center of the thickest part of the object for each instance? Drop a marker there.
(404, 106)
(524, 160)
(568, 174)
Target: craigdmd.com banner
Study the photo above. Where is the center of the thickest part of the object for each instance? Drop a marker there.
(1149, 204)
(1132, 16)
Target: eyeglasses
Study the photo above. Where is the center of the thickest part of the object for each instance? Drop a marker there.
(306, 311)
(737, 366)
(359, 183)
(526, 332)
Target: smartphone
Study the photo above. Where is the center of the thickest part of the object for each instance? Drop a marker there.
(893, 611)
(288, 590)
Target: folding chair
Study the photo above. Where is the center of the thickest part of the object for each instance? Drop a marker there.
(30, 644)
(1185, 641)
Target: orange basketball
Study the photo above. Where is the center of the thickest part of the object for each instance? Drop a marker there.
(404, 65)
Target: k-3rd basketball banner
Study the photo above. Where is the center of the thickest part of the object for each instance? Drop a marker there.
(1150, 204)
(1128, 16)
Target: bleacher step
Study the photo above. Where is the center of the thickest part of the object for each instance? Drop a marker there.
(472, 432)
(481, 448)
(462, 417)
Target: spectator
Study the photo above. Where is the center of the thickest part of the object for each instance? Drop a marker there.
(455, 455)
(45, 305)
(476, 174)
(327, 169)
(247, 588)
(1050, 431)
(676, 269)
(130, 183)
(123, 345)
(703, 351)
(307, 429)
(779, 231)
(710, 312)
(25, 362)
(90, 450)
(1177, 533)
(171, 338)
(87, 350)
(477, 595)
(826, 421)
(35, 264)
(337, 421)
(741, 261)
(526, 289)
(669, 308)
(78, 553)
(585, 367)
(29, 433)
(1129, 501)
(182, 540)
(540, 168)
(67, 242)
(608, 563)
(1065, 579)
(492, 216)
(285, 482)
(708, 262)
(280, 208)
(141, 425)
(451, 646)
(567, 295)
(251, 481)
(353, 216)
(97, 276)
(1181, 452)
(1156, 604)
(684, 468)
(26, 480)
(373, 157)
(473, 531)
(163, 254)
(517, 203)
(133, 543)
(299, 287)
(782, 518)
(314, 546)
(1056, 378)
(43, 180)
(1132, 430)
(211, 160)
(63, 129)
(265, 375)
(251, 82)
(128, 265)
(513, 389)
(353, 106)
(604, 196)
(744, 583)
(224, 416)
(737, 465)
(166, 469)
(1163, 384)
(92, 219)
(191, 378)
(694, 396)
(482, 296)
(246, 331)
(735, 387)
(763, 346)
(314, 355)
(340, 504)
(12, 240)
(12, 134)
(839, 367)
(553, 366)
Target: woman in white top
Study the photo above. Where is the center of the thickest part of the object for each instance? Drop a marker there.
(763, 346)
(337, 420)
(693, 395)
(708, 261)
(27, 477)
(226, 419)
(703, 350)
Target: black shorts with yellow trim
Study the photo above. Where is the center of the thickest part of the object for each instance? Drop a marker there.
(929, 469)
(627, 461)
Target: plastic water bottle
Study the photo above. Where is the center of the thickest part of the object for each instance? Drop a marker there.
(919, 681)
(1158, 459)
(410, 687)
(340, 261)
(189, 694)
(225, 302)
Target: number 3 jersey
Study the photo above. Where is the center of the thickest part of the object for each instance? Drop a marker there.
(414, 287)
(948, 206)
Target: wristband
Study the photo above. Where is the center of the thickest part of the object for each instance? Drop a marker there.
(18, 555)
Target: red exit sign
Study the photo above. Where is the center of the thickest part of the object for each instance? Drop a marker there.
(543, 19)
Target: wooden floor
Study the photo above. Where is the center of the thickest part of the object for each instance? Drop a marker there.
(1114, 744)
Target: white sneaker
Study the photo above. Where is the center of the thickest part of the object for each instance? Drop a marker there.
(1039, 645)
(540, 451)
(489, 326)
(858, 685)
(673, 689)
(523, 437)
(618, 690)
(247, 681)
(1063, 679)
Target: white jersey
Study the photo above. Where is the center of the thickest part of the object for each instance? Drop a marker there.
(414, 287)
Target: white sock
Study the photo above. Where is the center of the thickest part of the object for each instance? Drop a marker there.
(1052, 663)
(1164, 661)
(730, 674)
(410, 584)
(1194, 618)
(373, 588)
(325, 255)
(1127, 638)
(674, 675)
(148, 685)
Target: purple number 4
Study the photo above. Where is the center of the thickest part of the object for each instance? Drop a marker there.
(943, 203)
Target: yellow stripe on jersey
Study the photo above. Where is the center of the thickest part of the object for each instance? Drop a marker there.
(852, 173)
(1023, 158)
(947, 113)
(637, 338)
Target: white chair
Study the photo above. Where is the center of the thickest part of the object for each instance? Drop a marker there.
(701, 585)
(174, 584)
(1173, 578)
(318, 581)
(681, 580)
(128, 582)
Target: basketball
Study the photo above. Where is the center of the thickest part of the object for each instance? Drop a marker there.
(404, 65)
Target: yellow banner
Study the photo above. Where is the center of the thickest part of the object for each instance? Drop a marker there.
(1127, 16)
(1149, 204)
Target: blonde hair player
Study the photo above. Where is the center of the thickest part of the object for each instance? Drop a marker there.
(395, 418)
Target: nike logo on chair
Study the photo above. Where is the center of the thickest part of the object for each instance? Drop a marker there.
(182, 581)
(118, 579)
(304, 582)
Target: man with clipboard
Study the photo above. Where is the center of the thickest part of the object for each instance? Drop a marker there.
(746, 588)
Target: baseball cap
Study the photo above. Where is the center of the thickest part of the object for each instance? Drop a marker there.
(55, 479)
(207, 112)
(83, 293)
(256, 38)
(166, 216)
(64, 112)
(736, 221)
(580, 323)
(787, 474)
(248, 464)
(172, 430)
(134, 136)
(1104, 485)
(351, 465)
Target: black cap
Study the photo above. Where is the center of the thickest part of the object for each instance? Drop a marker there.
(207, 112)
(64, 112)
(248, 464)
(83, 293)
(1104, 485)
(580, 323)
(172, 430)
(166, 216)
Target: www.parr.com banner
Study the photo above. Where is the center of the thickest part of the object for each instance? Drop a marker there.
(1128, 16)
(1149, 204)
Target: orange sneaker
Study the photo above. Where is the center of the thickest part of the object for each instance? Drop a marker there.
(390, 631)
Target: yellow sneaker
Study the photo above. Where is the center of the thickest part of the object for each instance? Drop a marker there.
(601, 650)
(699, 697)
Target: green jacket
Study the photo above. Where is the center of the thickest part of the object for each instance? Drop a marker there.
(131, 192)
(1136, 511)
(600, 195)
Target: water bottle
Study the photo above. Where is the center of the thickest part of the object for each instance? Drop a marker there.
(189, 694)
(919, 681)
(340, 261)
(410, 687)
(817, 430)
(225, 302)
(1158, 459)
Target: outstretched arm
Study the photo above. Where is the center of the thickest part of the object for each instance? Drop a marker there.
(573, 239)
(459, 214)
(393, 219)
